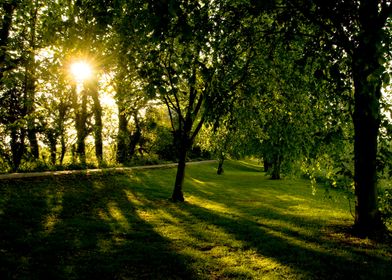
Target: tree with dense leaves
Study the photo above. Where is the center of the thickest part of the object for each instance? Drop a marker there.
(186, 49)
(20, 41)
(355, 31)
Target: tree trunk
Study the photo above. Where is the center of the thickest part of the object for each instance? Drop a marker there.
(98, 122)
(63, 108)
(220, 165)
(30, 85)
(178, 195)
(134, 138)
(17, 146)
(266, 165)
(80, 126)
(366, 125)
(32, 136)
(53, 152)
(275, 175)
(63, 148)
(366, 118)
(5, 29)
(122, 135)
(29, 101)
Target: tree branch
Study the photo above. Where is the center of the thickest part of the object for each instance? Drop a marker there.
(336, 30)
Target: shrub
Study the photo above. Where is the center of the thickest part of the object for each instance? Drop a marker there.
(385, 205)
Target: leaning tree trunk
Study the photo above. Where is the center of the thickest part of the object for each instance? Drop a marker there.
(220, 164)
(366, 118)
(177, 192)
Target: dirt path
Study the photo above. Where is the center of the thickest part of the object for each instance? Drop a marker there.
(11, 176)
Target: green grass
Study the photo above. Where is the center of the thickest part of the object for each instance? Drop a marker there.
(239, 225)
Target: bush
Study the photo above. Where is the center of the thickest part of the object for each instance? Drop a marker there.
(385, 205)
(33, 166)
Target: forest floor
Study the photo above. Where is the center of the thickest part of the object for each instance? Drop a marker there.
(239, 225)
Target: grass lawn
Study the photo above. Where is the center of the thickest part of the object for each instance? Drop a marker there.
(239, 225)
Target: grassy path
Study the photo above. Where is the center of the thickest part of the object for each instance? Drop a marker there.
(240, 225)
(25, 175)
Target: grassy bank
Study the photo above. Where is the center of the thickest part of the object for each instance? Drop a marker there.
(240, 225)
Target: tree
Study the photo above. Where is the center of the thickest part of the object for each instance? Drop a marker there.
(21, 38)
(187, 48)
(239, 132)
(356, 30)
(84, 23)
(55, 100)
(131, 101)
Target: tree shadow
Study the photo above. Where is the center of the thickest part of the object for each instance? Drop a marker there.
(81, 228)
(307, 255)
(87, 227)
(307, 244)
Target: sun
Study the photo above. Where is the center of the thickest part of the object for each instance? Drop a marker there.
(81, 70)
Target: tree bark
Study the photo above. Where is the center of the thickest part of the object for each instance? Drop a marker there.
(63, 148)
(122, 135)
(366, 118)
(220, 165)
(17, 146)
(275, 175)
(63, 108)
(134, 138)
(97, 108)
(6, 25)
(52, 146)
(80, 126)
(267, 164)
(178, 195)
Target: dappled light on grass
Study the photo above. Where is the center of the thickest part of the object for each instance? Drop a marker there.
(290, 198)
(239, 225)
(212, 205)
(132, 198)
(54, 202)
(116, 214)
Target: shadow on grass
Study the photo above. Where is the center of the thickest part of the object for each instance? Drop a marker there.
(307, 246)
(310, 246)
(123, 227)
(306, 256)
(80, 229)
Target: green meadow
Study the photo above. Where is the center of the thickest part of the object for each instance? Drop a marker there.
(239, 225)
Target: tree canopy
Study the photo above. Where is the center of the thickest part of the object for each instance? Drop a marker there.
(285, 81)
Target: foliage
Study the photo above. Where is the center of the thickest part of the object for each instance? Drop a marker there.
(355, 32)
(288, 81)
(385, 205)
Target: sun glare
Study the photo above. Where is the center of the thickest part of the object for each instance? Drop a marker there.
(81, 70)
